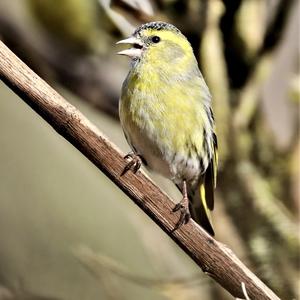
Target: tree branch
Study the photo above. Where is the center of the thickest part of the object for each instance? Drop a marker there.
(214, 258)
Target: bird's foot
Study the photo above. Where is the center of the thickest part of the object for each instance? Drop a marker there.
(185, 215)
(134, 164)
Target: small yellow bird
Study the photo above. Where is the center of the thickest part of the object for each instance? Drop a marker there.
(165, 111)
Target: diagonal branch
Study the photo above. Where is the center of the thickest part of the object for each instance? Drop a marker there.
(214, 258)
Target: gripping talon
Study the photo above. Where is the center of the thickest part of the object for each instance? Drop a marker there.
(181, 220)
(184, 217)
(183, 207)
(176, 207)
(134, 164)
(129, 155)
(127, 167)
(187, 217)
(137, 165)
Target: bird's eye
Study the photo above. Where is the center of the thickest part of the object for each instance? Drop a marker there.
(155, 39)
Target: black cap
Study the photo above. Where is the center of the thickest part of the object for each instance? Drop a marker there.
(156, 26)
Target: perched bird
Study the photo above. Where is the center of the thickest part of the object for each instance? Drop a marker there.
(165, 111)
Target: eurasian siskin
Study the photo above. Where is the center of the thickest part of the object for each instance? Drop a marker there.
(165, 111)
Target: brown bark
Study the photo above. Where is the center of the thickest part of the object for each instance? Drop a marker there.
(214, 258)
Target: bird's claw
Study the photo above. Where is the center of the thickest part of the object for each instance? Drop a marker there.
(177, 207)
(185, 215)
(134, 164)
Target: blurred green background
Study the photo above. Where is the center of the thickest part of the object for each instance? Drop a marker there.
(67, 232)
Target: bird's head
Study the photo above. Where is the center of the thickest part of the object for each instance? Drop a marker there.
(157, 43)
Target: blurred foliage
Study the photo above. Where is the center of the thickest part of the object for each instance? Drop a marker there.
(248, 51)
(82, 36)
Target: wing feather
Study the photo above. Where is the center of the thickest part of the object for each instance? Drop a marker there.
(203, 199)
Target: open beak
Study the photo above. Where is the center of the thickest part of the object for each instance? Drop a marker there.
(135, 51)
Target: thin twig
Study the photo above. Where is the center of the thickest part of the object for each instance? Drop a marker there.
(213, 257)
(245, 291)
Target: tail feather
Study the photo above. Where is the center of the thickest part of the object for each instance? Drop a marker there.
(203, 198)
(202, 204)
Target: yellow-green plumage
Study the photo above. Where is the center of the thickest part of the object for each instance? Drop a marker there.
(166, 116)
